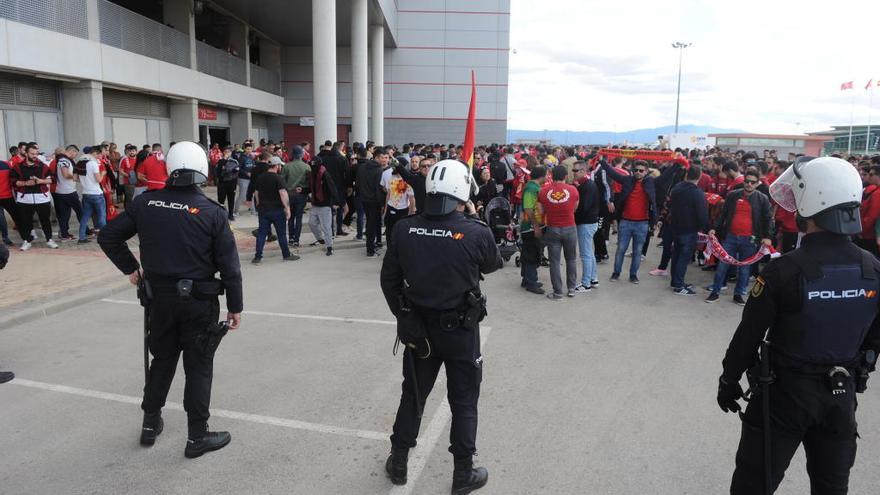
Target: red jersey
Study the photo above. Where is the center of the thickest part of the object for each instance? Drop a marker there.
(126, 165)
(870, 211)
(705, 183)
(636, 207)
(741, 224)
(5, 185)
(785, 220)
(16, 160)
(559, 201)
(154, 168)
(214, 156)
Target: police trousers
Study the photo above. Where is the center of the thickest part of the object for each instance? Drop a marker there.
(175, 323)
(802, 410)
(463, 380)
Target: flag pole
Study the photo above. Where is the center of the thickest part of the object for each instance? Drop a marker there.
(870, 108)
(852, 107)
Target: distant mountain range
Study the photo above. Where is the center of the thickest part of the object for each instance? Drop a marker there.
(638, 136)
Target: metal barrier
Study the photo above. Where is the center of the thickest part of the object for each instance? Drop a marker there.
(265, 79)
(133, 32)
(61, 16)
(220, 64)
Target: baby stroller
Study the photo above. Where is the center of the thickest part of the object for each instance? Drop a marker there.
(497, 214)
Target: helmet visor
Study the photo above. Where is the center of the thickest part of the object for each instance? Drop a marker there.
(782, 190)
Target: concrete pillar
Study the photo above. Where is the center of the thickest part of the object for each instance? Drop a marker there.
(238, 39)
(359, 71)
(83, 113)
(324, 69)
(179, 14)
(240, 124)
(377, 103)
(185, 120)
(94, 20)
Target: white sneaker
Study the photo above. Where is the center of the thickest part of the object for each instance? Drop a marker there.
(25, 246)
(52, 244)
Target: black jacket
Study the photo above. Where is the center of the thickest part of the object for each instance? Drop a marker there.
(323, 182)
(588, 206)
(688, 211)
(417, 182)
(369, 181)
(629, 183)
(337, 166)
(778, 292)
(183, 234)
(761, 217)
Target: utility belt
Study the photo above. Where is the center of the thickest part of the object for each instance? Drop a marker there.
(467, 316)
(186, 287)
(836, 376)
(411, 321)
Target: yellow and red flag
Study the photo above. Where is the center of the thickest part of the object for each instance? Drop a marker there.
(467, 152)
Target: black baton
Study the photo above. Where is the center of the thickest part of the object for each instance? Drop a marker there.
(765, 380)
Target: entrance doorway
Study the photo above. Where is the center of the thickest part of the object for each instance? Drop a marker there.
(208, 135)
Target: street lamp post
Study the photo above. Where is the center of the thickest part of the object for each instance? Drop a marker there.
(681, 46)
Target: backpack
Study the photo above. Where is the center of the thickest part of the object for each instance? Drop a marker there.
(79, 168)
(230, 170)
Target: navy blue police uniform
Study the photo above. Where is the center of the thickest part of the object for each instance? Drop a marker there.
(434, 263)
(183, 235)
(820, 304)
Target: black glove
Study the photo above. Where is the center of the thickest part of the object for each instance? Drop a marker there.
(728, 393)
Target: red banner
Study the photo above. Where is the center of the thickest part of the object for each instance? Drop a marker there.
(648, 155)
(713, 247)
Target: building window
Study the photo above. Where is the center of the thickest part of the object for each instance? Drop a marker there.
(727, 141)
(766, 142)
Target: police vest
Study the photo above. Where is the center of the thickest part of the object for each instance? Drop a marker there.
(838, 306)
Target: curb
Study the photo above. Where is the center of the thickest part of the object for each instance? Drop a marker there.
(59, 305)
(62, 304)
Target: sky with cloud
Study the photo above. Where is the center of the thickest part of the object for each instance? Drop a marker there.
(770, 66)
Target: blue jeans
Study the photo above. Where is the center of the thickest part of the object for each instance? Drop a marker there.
(627, 231)
(95, 208)
(740, 247)
(586, 231)
(64, 204)
(684, 245)
(295, 224)
(266, 219)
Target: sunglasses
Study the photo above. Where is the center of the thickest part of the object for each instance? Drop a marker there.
(639, 170)
(751, 182)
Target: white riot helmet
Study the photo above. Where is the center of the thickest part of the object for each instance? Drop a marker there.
(187, 164)
(828, 190)
(449, 183)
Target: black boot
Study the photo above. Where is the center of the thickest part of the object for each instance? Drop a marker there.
(466, 478)
(395, 466)
(152, 428)
(212, 440)
(6, 376)
(329, 251)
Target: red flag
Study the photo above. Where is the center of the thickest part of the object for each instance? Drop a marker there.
(467, 153)
(870, 83)
(846, 85)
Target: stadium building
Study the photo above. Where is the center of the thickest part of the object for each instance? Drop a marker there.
(144, 71)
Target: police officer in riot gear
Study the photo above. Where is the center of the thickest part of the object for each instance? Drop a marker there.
(185, 239)
(818, 307)
(431, 279)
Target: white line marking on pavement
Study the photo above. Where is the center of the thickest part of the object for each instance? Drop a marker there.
(286, 315)
(428, 441)
(222, 413)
